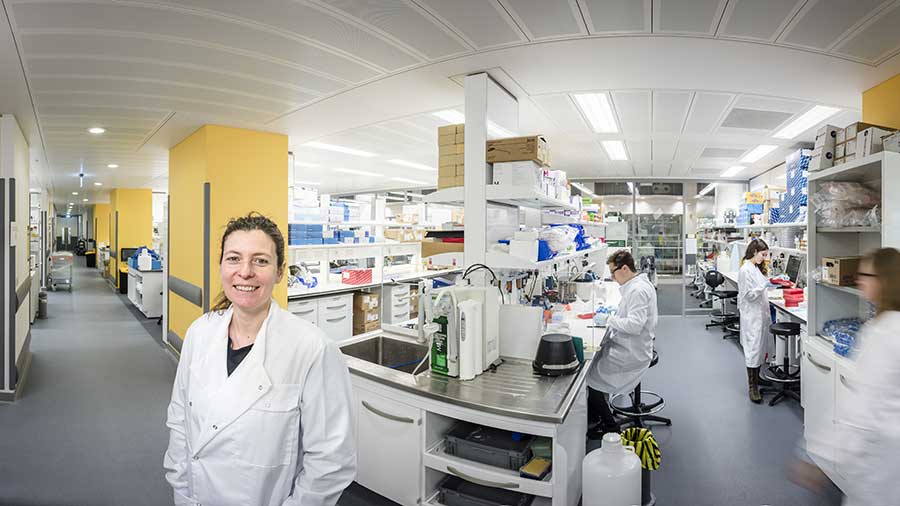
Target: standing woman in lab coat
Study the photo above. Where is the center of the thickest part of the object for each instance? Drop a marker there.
(261, 406)
(753, 304)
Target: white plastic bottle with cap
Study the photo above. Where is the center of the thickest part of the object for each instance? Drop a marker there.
(611, 475)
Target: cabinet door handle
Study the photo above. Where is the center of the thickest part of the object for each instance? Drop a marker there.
(394, 418)
(331, 320)
(496, 484)
(401, 304)
(820, 366)
(847, 383)
(336, 307)
(305, 312)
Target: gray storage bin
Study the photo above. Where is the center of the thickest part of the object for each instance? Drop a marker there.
(488, 445)
(458, 492)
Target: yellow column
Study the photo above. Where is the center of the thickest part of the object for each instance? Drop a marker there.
(247, 171)
(881, 104)
(133, 208)
(101, 223)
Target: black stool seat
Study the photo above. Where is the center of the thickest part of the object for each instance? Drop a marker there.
(785, 329)
(639, 411)
(725, 294)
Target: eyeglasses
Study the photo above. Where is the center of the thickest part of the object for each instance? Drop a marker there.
(865, 275)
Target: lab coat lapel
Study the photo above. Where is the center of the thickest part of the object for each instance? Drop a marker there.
(232, 396)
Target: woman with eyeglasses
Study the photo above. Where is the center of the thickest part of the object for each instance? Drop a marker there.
(753, 304)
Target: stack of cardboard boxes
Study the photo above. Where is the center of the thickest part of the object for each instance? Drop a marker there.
(366, 313)
(451, 152)
(414, 301)
(792, 208)
(835, 146)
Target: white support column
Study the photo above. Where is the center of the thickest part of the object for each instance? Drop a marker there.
(477, 172)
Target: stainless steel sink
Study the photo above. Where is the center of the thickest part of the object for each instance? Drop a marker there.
(391, 353)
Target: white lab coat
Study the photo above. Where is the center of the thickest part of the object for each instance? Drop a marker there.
(627, 348)
(753, 304)
(868, 444)
(277, 432)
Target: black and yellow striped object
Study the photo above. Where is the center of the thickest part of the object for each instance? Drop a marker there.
(645, 446)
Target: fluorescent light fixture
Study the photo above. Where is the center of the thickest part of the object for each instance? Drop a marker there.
(806, 121)
(706, 190)
(630, 187)
(598, 111)
(584, 189)
(306, 165)
(84, 200)
(410, 181)
(396, 199)
(408, 194)
(35, 190)
(339, 149)
(112, 165)
(733, 171)
(71, 204)
(96, 130)
(310, 183)
(412, 165)
(359, 172)
(758, 152)
(451, 116)
(615, 150)
(496, 130)
(98, 183)
(74, 193)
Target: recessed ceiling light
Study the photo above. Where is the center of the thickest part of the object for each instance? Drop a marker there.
(615, 150)
(71, 203)
(706, 190)
(74, 193)
(305, 165)
(410, 181)
(412, 165)
(84, 200)
(806, 121)
(451, 116)
(758, 153)
(113, 165)
(98, 183)
(339, 149)
(96, 130)
(733, 171)
(311, 183)
(584, 189)
(598, 111)
(359, 172)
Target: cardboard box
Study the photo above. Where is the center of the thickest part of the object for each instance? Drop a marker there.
(821, 159)
(855, 128)
(869, 141)
(364, 328)
(840, 271)
(460, 138)
(450, 181)
(366, 301)
(448, 130)
(892, 143)
(519, 149)
(841, 136)
(850, 146)
(827, 136)
(452, 160)
(430, 248)
(838, 161)
(840, 150)
(446, 140)
(356, 276)
(523, 174)
(753, 198)
(451, 149)
(460, 170)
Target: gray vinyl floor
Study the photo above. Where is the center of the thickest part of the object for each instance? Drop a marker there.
(90, 428)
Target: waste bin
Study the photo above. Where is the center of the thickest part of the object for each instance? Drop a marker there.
(42, 305)
(90, 257)
(646, 447)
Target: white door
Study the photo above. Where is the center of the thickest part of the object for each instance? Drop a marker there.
(389, 447)
(818, 378)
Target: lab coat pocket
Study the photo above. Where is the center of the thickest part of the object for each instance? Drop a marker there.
(269, 429)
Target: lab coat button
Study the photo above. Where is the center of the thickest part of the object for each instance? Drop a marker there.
(260, 387)
(215, 427)
(196, 458)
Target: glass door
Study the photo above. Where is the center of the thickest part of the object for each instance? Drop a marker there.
(658, 240)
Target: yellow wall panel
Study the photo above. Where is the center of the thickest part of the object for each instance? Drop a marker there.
(134, 209)
(101, 222)
(881, 104)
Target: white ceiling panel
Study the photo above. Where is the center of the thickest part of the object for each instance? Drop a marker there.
(43, 68)
(877, 40)
(633, 110)
(664, 149)
(83, 48)
(643, 169)
(542, 19)
(563, 112)
(99, 100)
(478, 21)
(679, 168)
(756, 19)
(405, 23)
(687, 16)
(688, 151)
(822, 23)
(706, 111)
(639, 151)
(616, 16)
(661, 168)
(770, 104)
(720, 152)
(669, 110)
(180, 24)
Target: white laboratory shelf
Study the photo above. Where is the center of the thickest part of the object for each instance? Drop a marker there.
(790, 251)
(773, 225)
(501, 260)
(436, 458)
(341, 246)
(838, 230)
(857, 170)
(848, 289)
(364, 223)
(501, 194)
(455, 195)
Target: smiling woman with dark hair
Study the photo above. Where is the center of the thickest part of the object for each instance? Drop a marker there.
(261, 407)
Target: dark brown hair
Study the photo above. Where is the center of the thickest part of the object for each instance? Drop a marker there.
(622, 258)
(755, 246)
(886, 263)
(253, 221)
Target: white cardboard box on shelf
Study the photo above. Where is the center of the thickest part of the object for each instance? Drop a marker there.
(869, 141)
(822, 158)
(524, 249)
(826, 137)
(892, 142)
(839, 151)
(518, 174)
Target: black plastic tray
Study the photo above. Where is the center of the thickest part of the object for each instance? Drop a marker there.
(488, 445)
(458, 492)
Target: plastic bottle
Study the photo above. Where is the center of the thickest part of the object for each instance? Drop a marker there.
(611, 475)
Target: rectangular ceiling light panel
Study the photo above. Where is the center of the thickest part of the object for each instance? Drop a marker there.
(615, 150)
(451, 116)
(733, 171)
(356, 172)
(754, 119)
(412, 165)
(340, 149)
(756, 154)
(597, 109)
(410, 181)
(807, 120)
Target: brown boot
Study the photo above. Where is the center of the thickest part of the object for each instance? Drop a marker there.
(752, 377)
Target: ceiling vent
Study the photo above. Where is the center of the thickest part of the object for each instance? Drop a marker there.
(754, 119)
(730, 153)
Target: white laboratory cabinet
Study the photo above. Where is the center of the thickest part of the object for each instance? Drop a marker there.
(396, 304)
(333, 314)
(145, 291)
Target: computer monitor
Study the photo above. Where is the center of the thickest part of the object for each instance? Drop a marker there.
(793, 268)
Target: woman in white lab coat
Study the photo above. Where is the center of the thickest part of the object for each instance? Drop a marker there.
(261, 406)
(753, 304)
(627, 348)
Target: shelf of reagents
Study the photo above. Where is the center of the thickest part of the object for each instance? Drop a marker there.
(505, 261)
(773, 225)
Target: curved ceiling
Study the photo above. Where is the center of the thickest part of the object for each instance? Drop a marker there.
(151, 71)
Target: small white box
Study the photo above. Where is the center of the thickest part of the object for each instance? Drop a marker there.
(850, 147)
(892, 143)
(524, 249)
(839, 150)
(841, 136)
(526, 235)
(518, 174)
(821, 159)
(869, 141)
(827, 136)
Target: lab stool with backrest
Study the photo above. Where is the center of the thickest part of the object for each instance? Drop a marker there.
(639, 412)
(784, 374)
(721, 317)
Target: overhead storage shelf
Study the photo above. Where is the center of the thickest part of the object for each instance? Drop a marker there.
(501, 194)
(860, 170)
(499, 260)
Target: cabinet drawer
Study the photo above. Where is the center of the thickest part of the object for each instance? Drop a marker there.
(338, 327)
(339, 304)
(398, 317)
(305, 309)
(396, 293)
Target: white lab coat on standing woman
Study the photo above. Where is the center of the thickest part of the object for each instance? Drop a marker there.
(868, 440)
(627, 349)
(753, 304)
(277, 432)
